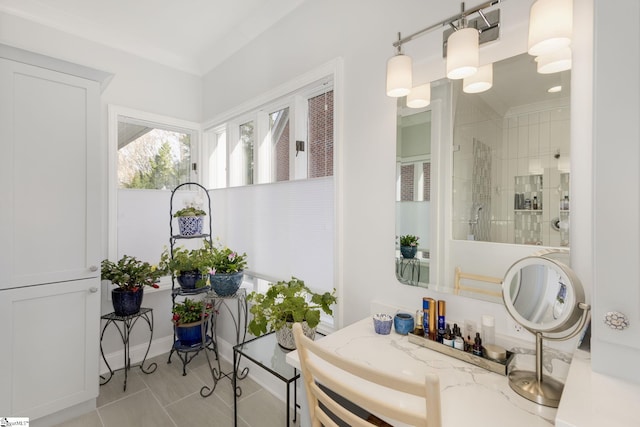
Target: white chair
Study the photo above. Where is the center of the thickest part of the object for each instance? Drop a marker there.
(363, 386)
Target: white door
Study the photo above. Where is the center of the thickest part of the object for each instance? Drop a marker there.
(49, 171)
(49, 358)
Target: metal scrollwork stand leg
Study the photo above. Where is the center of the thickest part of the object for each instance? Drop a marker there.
(239, 318)
(128, 322)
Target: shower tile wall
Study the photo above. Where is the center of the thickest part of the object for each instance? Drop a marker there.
(531, 135)
(481, 192)
(530, 132)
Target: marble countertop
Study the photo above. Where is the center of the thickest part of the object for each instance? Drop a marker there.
(469, 395)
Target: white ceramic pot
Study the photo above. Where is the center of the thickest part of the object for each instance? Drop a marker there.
(285, 338)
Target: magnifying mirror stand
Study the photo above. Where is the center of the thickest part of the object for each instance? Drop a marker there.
(536, 386)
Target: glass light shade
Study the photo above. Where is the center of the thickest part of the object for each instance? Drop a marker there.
(550, 26)
(554, 62)
(420, 96)
(399, 76)
(480, 81)
(462, 53)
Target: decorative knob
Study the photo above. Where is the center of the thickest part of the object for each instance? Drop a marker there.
(93, 268)
(616, 320)
(93, 289)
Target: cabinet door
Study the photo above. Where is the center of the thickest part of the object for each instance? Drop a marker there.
(49, 336)
(49, 172)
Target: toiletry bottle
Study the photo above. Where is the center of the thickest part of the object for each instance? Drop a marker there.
(527, 204)
(477, 345)
(534, 206)
(447, 337)
(441, 319)
(418, 322)
(429, 317)
(458, 341)
(468, 346)
(488, 329)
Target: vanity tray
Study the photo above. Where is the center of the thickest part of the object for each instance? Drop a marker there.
(483, 362)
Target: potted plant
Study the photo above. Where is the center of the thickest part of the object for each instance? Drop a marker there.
(227, 269)
(188, 317)
(130, 276)
(190, 220)
(409, 245)
(285, 303)
(190, 266)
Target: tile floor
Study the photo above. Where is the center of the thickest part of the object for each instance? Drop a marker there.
(166, 398)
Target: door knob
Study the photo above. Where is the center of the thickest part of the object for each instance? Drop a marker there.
(93, 289)
(93, 268)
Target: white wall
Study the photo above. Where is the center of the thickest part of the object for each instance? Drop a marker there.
(314, 34)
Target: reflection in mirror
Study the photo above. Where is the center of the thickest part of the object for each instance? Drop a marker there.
(544, 297)
(413, 194)
(511, 157)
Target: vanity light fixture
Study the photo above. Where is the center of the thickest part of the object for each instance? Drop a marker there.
(399, 73)
(554, 62)
(420, 96)
(550, 26)
(460, 46)
(480, 81)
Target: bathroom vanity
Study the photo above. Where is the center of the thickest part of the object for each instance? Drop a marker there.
(470, 395)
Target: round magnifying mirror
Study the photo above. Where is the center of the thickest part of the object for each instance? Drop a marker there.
(541, 294)
(545, 296)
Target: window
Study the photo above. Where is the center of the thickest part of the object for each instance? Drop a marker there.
(279, 137)
(288, 138)
(152, 156)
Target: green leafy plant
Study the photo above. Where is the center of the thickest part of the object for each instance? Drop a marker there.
(190, 211)
(130, 273)
(225, 260)
(284, 302)
(409, 240)
(189, 311)
(186, 260)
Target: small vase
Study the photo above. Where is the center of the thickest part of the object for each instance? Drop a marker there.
(285, 338)
(126, 302)
(190, 225)
(408, 251)
(189, 334)
(188, 280)
(226, 284)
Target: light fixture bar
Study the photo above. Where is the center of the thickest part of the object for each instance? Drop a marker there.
(446, 22)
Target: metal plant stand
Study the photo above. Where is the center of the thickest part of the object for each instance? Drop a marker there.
(124, 325)
(239, 318)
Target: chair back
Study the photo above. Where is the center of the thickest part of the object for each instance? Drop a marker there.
(335, 384)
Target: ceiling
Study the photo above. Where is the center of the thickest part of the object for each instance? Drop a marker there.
(189, 35)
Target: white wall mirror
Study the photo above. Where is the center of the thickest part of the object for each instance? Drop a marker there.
(413, 195)
(510, 166)
(511, 157)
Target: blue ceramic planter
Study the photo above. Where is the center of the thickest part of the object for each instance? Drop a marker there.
(408, 251)
(226, 284)
(190, 225)
(188, 280)
(189, 334)
(126, 303)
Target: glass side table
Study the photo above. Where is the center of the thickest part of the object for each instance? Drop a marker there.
(265, 352)
(127, 324)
